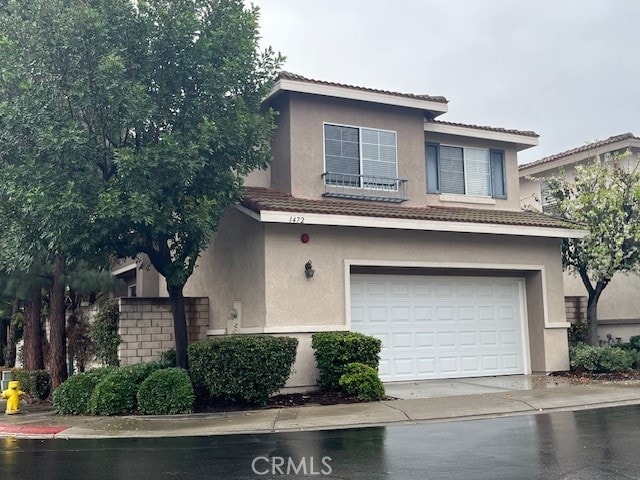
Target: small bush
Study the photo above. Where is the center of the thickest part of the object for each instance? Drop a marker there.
(115, 393)
(362, 380)
(241, 367)
(601, 359)
(614, 359)
(36, 383)
(72, 396)
(335, 350)
(635, 342)
(104, 334)
(166, 392)
(141, 371)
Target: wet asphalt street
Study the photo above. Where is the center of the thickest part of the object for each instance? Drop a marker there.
(590, 444)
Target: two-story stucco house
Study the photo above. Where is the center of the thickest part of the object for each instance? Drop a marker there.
(376, 217)
(619, 305)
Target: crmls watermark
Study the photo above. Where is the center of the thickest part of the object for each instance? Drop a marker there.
(291, 466)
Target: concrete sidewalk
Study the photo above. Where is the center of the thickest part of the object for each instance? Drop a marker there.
(424, 401)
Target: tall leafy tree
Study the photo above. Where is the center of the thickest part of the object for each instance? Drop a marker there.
(604, 197)
(144, 117)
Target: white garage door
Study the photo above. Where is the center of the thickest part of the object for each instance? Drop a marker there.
(441, 326)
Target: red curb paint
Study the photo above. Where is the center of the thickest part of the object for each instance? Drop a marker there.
(32, 429)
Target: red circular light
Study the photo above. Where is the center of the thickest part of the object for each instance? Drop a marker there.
(304, 238)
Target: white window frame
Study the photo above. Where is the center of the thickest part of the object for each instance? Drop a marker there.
(360, 156)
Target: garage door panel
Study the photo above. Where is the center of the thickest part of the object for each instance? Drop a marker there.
(422, 314)
(424, 340)
(400, 314)
(441, 327)
(445, 314)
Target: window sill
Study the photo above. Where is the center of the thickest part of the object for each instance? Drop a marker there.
(449, 197)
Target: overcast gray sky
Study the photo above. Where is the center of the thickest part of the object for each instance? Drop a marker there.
(567, 69)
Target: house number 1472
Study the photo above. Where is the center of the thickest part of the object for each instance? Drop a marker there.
(296, 219)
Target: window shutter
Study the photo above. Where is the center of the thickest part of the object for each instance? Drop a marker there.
(451, 170)
(498, 180)
(432, 151)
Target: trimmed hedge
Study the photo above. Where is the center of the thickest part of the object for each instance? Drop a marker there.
(36, 383)
(115, 393)
(362, 380)
(166, 392)
(601, 359)
(241, 367)
(335, 350)
(72, 396)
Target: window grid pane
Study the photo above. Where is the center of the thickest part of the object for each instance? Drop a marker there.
(477, 172)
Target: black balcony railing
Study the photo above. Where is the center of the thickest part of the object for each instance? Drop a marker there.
(365, 187)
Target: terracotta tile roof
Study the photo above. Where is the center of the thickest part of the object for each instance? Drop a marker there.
(526, 133)
(259, 199)
(582, 149)
(293, 76)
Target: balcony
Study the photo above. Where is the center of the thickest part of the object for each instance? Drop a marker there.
(364, 187)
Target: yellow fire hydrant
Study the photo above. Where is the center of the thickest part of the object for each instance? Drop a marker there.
(13, 394)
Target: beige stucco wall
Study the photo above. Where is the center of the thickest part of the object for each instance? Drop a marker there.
(307, 116)
(231, 273)
(321, 302)
(298, 149)
(279, 299)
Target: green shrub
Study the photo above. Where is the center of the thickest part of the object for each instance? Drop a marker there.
(72, 396)
(36, 383)
(115, 393)
(168, 358)
(104, 334)
(335, 350)
(241, 367)
(166, 392)
(635, 342)
(141, 371)
(362, 380)
(577, 333)
(614, 359)
(601, 359)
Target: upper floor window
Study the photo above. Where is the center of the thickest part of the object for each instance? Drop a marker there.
(360, 157)
(465, 171)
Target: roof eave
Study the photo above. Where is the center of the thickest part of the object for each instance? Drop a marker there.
(521, 142)
(571, 158)
(279, 216)
(337, 91)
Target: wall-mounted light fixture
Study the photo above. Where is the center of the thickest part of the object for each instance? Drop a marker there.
(308, 269)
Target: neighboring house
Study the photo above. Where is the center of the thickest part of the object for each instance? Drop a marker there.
(378, 218)
(619, 305)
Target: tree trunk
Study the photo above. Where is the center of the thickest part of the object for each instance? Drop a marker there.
(592, 314)
(32, 349)
(3, 339)
(179, 324)
(57, 325)
(10, 360)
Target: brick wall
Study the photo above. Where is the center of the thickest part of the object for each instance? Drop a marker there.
(576, 309)
(146, 326)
